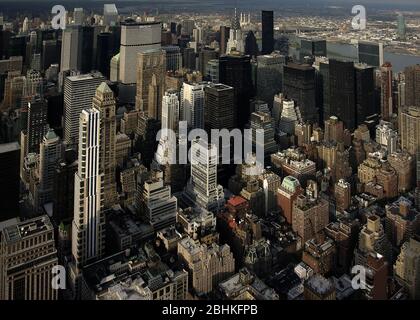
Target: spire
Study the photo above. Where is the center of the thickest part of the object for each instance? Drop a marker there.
(236, 25)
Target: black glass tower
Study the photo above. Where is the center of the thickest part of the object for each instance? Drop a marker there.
(267, 32)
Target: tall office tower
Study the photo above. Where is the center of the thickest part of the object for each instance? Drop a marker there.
(70, 48)
(114, 68)
(78, 16)
(365, 92)
(251, 45)
(371, 53)
(224, 36)
(27, 258)
(105, 51)
(235, 71)
(50, 53)
(287, 193)
(267, 32)
(342, 193)
(213, 71)
(76, 41)
(407, 266)
(205, 55)
(151, 70)
(386, 91)
(50, 152)
(412, 85)
(402, 28)
(170, 110)
(173, 58)
(263, 121)
(187, 27)
(192, 104)
(219, 101)
(9, 172)
(188, 59)
(409, 127)
(159, 206)
(310, 215)
(202, 189)
(78, 93)
(269, 76)
(136, 37)
(376, 277)
(104, 102)
(37, 123)
(88, 231)
(386, 136)
(299, 85)
(110, 17)
(372, 239)
(343, 92)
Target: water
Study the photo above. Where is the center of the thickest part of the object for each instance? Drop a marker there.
(349, 52)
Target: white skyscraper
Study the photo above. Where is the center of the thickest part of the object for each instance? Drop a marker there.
(70, 44)
(192, 104)
(88, 233)
(170, 110)
(110, 15)
(136, 37)
(78, 93)
(202, 189)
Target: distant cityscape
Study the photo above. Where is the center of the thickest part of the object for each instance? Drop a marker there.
(111, 188)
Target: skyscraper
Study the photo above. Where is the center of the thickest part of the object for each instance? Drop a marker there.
(343, 92)
(409, 127)
(110, 17)
(224, 36)
(269, 76)
(371, 53)
(37, 123)
(170, 110)
(365, 92)
(104, 102)
(202, 189)
(78, 93)
(402, 28)
(88, 232)
(192, 104)
(50, 152)
(219, 102)
(251, 45)
(235, 71)
(267, 32)
(136, 37)
(412, 85)
(205, 55)
(299, 85)
(151, 70)
(386, 91)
